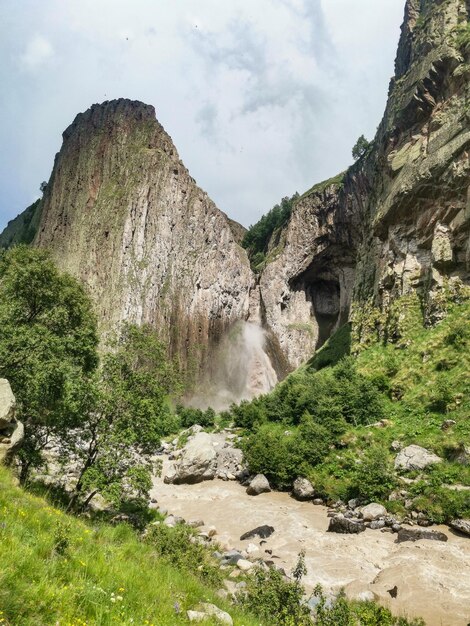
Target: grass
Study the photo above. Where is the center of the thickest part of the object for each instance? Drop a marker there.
(60, 570)
(323, 185)
(425, 380)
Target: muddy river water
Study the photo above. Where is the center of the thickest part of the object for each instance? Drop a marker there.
(432, 577)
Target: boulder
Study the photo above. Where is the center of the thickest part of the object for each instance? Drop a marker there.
(244, 565)
(7, 404)
(229, 463)
(231, 557)
(411, 534)
(373, 511)
(198, 460)
(461, 525)
(170, 474)
(303, 489)
(206, 611)
(415, 458)
(259, 484)
(345, 526)
(12, 442)
(263, 532)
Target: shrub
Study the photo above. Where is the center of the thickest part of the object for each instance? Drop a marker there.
(272, 597)
(175, 545)
(360, 148)
(189, 416)
(374, 477)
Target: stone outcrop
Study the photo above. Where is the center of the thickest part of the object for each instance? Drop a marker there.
(11, 430)
(122, 213)
(415, 458)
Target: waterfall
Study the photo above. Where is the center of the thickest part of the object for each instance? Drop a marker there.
(241, 369)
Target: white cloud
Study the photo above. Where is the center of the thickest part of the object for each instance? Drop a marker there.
(37, 52)
(262, 98)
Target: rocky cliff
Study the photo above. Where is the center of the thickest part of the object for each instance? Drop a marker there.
(122, 213)
(393, 231)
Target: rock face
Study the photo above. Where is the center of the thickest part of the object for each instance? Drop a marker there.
(389, 239)
(419, 172)
(385, 242)
(11, 430)
(415, 458)
(122, 213)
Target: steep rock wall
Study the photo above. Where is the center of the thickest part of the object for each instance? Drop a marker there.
(398, 223)
(419, 207)
(122, 213)
(306, 290)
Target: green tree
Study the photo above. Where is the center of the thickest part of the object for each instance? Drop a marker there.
(48, 346)
(131, 412)
(360, 148)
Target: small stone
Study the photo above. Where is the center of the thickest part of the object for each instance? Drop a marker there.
(446, 424)
(343, 525)
(415, 458)
(377, 524)
(244, 565)
(317, 501)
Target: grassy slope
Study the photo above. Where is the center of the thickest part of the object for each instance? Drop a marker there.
(430, 374)
(41, 587)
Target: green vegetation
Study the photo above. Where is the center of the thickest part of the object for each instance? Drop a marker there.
(360, 148)
(416, 379)
(335, 181)
(47, 347)
(128, 412)
(258, 236)
(57, 569)
(291, 430)
(268, 593)
(23, 228)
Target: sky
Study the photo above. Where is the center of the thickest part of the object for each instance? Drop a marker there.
(262, 98)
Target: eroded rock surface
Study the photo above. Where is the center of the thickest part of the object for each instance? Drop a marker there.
(122, 213)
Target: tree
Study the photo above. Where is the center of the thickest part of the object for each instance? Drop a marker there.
(48, 343)
(131, 412)
(360, 148)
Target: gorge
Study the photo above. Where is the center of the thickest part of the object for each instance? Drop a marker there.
(339, 358)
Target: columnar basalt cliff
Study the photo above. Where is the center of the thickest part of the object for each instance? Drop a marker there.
(122, 212)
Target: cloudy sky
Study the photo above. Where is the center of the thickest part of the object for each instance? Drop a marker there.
(261, 97)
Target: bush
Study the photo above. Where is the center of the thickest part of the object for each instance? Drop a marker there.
(374, 477)
(283, 455)
(360, 148)
(272, 597)
(189, 416)
(175, 546)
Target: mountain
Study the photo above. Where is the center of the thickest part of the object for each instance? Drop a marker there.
(122, 213)
(392, 233)
(387, 238)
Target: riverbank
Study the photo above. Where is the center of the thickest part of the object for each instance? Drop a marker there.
(431, 577)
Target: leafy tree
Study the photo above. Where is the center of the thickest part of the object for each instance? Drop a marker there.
(48, 346)
(130, 413)
(360, 148)
(257, 237)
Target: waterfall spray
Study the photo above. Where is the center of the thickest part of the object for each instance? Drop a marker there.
(241, 369)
